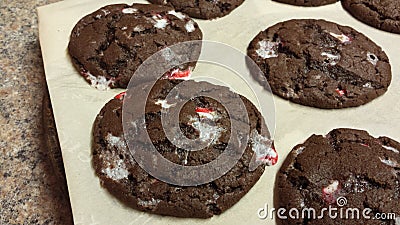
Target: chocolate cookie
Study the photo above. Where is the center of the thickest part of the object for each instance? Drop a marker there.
(346, 169)
(202, 118)
(203, 9)
(321, 64)
(108, 45)
(383, 14)
(307, 2)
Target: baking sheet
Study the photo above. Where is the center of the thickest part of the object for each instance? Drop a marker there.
(76, 105)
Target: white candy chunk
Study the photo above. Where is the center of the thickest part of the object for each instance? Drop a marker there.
(397, 220)
(138, 28)
(299, 150)
(342, 38)
(129, 10)
(118, 172)
(367, 85)
(208, 133)
(209, 115)
(267, 49)
(185, 160)
(106, 12)
(372, 58)
(333, 59)
(390, 163)
(332, 188)
(160, 22)
(164, 104)
(179, 15)
(99, 82)
(114, 141)
(391, 149)
(189, 26)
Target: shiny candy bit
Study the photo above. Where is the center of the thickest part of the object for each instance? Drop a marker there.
(206, 113)
(341, 92)
(120, 96)
(178, 74)
(204, 110)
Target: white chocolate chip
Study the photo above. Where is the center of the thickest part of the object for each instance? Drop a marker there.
(179, 15)
(189, 26)
(100, 82)
(367, 85)
(333, 59)
(342, 38)
(391, 149)
(160, 22)
(164, 104)
(129, 10)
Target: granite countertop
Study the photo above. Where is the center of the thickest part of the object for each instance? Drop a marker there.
(30, 190)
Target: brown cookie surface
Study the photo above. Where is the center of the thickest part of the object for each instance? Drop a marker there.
(202, 9)
(200, 118)
(382, 14)
(345, 169)
(307, 2)
(108, 45)
(321, 64)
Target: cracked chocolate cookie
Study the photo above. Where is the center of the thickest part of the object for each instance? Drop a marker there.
(200, 118)
(108, 45)
(307, 2)
(383, 14)
(320, 64)
(346, 169)
(202, 9)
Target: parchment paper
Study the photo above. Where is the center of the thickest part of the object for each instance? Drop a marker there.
(76, 105)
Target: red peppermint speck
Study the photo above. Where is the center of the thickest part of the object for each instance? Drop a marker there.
(270, 159)
(365, 145)
(120, 96)
(178, 74)
(341, 92)
(204, 110)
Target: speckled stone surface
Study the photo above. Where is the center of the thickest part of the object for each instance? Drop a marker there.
(30, 193)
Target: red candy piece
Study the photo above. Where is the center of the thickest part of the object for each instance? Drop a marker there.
(120, 96)
(341, 92)
(365, 145)
(204, 110)
(178, 74)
